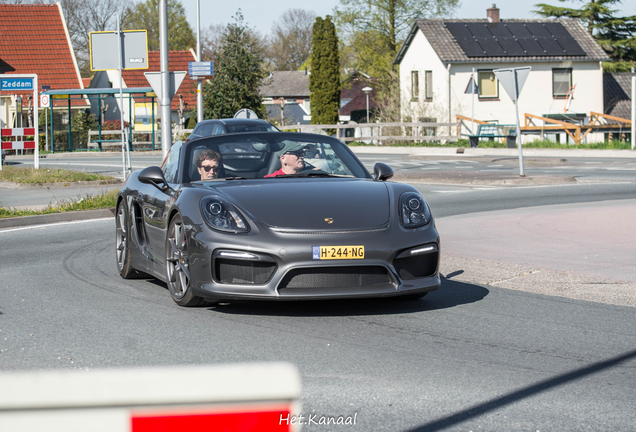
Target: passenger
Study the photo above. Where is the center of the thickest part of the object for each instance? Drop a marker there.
(209, 164)
(292, 159)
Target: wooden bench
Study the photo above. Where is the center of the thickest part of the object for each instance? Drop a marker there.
(492, 131)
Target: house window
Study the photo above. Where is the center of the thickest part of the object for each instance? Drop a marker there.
(428, 84)
(561, 82)
(415, 85)
(488, 85)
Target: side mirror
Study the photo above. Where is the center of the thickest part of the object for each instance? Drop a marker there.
(154, 176)
(382, 172)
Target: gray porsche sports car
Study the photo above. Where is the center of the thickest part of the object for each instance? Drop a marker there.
(284, 216)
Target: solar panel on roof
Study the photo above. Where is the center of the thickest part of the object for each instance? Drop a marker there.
(531, 47)
(538, 30)
(571, 46)
(471, 48)
(557, 30)
(518, 30)
(479, 30)
(512, 47)
(492, 48)
(459, 30)
(551, 47)
(514, 39)
(499, 30)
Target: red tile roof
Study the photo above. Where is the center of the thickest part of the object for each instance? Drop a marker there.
(33, 41)
(177, 61)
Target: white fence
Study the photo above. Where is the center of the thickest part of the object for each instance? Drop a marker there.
(418, 131)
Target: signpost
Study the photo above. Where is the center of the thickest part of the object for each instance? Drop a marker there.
(131, 48)
(512, 80)
(472, 89)
(23, 82)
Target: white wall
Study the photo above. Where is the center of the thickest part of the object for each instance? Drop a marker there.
(536, 96)
(421, 57)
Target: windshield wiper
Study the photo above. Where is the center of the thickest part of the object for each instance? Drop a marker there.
(235, 178)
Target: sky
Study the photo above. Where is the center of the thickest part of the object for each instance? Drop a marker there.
(261, 14)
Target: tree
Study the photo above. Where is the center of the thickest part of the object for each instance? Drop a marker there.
(324, 81)
(145, 15)
(614, 34)
(290, 44)
(375, 29)
(238, 73)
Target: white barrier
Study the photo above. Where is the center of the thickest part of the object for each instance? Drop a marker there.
(246, 397)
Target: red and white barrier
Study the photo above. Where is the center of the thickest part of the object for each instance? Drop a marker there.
(18, 132)
(246, 397)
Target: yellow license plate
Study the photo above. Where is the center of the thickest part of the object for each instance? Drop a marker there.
(337, 252)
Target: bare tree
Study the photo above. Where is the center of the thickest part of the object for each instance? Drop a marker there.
(211, 39)
(83, 17)
(289, 46)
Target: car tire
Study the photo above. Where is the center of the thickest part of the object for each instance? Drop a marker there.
(122, 248)
(177, 266)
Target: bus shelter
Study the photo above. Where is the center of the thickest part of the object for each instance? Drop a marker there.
(98, 98)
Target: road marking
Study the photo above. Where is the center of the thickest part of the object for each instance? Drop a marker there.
(54, 224)
(493, 166)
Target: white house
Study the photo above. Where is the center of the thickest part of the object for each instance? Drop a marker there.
(438, 57)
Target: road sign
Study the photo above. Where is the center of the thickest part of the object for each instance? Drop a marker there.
(471, 88)
(154, 78)
(16, 84)
(104, 50)
(200, 69)
(45, 101)
(507, 79)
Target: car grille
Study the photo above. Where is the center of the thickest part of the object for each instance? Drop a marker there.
(417, 266)
(231, 271)
(335, 277)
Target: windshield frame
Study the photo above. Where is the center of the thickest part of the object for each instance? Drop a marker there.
(272, 140)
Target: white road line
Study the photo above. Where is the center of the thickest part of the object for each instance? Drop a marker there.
(86, 164)
(54, 224)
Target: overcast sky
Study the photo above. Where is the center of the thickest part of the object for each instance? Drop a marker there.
(260, 14)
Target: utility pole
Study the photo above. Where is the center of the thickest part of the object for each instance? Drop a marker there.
(199, 82)
(166, 112)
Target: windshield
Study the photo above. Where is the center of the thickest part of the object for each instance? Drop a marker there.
(271, 157)
(251, 128)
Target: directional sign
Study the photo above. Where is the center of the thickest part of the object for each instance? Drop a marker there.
(16, 84)
(154, 78)
(200, 69)
(507, 79)
(104, 50)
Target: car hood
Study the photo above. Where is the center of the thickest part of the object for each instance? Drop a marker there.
(315, 204)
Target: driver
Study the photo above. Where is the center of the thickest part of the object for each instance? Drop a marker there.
(292, 159)
(209, 164)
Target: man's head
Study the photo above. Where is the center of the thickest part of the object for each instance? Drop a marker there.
(209, 163)
(292, 157)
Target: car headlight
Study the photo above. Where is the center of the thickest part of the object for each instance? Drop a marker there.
(223, 216)
(414, 211)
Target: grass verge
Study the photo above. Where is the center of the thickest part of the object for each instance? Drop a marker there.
(88, 202)
(46, 175)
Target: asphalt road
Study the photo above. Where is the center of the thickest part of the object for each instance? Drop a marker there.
(466, 357)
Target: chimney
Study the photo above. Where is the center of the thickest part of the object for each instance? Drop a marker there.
(493, 14)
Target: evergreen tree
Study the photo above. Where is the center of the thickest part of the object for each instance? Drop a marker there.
(238, 72)
(614, 34)
(324, 81)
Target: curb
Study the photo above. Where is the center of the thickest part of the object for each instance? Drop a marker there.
(21, 221)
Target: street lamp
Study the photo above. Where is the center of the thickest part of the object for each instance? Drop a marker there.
(367, 90)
